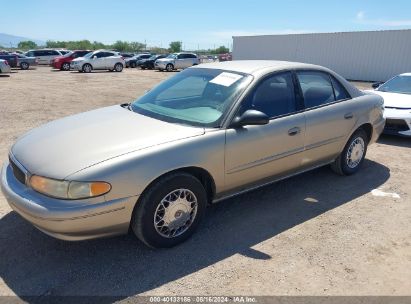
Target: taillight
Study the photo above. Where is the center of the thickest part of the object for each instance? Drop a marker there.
(6, 62)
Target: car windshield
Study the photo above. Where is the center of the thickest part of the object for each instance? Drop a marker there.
(399, 84)
(68, 54)
(196, 97)
(89, 55)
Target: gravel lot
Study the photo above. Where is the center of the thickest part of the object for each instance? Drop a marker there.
(314, 234)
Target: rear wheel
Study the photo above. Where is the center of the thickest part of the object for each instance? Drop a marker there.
(169, 67)
(133, 65)
(169, 211)
(352, 157)
(87, 68)
(24, 65)
(65, 66)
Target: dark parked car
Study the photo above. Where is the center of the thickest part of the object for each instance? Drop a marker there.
(127, 55)
(24, 62)
(149, 62)
(132, 62)
(10, 58)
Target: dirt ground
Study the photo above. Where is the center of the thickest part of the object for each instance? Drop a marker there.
(314, 234)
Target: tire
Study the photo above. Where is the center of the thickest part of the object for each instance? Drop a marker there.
(24, 66)
(65, 66)
(173, 187)
(133, 65)
(118, 67)
(346, 163)
(169, 67)
(143, 68)
(87, 68)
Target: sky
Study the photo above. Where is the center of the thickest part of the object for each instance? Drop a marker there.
(198, 24)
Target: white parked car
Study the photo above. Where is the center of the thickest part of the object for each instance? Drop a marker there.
(44, 56)
(397, 103)
(176, 61)
(4, 66)
(99, 60)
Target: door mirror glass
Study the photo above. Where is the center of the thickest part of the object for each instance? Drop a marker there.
(250, 118)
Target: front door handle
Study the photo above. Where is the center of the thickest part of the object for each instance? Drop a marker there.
(294, 131)
(348, 115)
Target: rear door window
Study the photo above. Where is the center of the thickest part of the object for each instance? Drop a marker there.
(316, 88)
(40, 53)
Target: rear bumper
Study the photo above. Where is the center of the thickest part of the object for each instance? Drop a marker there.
(5, 69)
(67, 220)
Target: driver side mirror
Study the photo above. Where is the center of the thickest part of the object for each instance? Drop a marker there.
(250, 118)
(375, 85)
(94, 57)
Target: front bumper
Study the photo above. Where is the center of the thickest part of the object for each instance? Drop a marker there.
(75, 66)
(398, 121)
(160, 65)
(56, 65)
(64, 219)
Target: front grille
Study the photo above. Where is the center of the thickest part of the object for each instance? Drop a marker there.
(18, 173)
(397, 125)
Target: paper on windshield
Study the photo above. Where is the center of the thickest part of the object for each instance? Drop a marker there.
(226, 79)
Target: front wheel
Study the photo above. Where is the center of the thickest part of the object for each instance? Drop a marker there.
(65, 66)
(169, 67)
(87, 68)
(118, 67)
(169, 211)
(352, 157)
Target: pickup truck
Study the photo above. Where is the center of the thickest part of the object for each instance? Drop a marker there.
(11, 59)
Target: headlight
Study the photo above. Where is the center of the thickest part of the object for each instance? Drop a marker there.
(68, 189)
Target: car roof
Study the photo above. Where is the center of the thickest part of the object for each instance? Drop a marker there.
(406, 74)
(255, 67)
(260, 68)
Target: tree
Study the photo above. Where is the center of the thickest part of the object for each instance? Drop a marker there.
(175, 46)
(121, 46)
(136, 46)
(26, 45)
(98, 45)
(221, 50)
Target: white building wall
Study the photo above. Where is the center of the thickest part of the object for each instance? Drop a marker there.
(376, 55)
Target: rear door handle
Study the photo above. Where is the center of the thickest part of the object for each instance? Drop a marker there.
(348, 115)
(294, 131)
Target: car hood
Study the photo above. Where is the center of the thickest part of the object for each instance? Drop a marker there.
(394, 100)
(65, 146)
(78, 59)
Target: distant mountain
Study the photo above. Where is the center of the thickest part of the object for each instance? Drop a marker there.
(7, 40)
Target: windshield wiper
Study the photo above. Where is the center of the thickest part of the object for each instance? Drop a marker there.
(127, 106)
